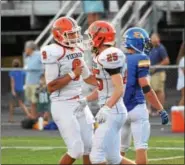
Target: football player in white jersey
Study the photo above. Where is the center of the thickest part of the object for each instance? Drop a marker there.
(64, 71)
(109, 66)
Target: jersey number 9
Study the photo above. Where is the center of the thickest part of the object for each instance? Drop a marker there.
(100, 81)
(44, 55)
(76, 63)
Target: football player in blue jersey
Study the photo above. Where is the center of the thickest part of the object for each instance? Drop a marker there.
(136, 41)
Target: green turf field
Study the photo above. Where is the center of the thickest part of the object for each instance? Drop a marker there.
(48, 150)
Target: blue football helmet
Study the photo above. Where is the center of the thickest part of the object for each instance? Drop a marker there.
(138, 39)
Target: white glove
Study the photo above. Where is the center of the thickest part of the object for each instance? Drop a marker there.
(79, 110)
(103, 114)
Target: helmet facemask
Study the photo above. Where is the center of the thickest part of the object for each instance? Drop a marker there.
(87, 41)
(73, 38)
(148, 46)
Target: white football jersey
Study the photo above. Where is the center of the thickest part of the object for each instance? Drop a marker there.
(110, 58)
(58, 62)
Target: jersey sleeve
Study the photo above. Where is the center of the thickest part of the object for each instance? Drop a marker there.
(112, 60)
(143, 66)
(85, 72)
(49, 54)
(51, 72)
(181, 63)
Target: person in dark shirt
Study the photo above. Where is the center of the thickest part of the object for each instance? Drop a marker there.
(17, 91)
(158, 56)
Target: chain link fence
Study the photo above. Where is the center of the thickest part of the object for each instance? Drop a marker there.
(172, 95)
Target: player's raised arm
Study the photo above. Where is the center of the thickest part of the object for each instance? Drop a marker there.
(143, 71)
(52, 69)
(60, 82)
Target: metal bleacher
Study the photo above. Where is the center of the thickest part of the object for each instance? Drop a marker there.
(144, 14)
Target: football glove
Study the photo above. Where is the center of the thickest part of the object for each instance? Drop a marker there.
(103, 114)
(164, 117)
(82, 103)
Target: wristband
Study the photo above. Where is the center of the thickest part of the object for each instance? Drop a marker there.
(72, 75)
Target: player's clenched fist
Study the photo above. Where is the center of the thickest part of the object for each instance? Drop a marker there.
(164, 117)
(78, 70)
(82, 103)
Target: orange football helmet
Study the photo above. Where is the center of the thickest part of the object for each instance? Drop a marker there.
(101, 33)
(66, 32)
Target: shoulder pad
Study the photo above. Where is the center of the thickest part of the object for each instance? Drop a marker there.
(112, 58)
(51, 53)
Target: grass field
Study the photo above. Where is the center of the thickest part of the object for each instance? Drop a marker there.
(48, 150)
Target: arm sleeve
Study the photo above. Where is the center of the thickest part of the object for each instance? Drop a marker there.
(85, 72)
(143, 67)
(114, 71)
(51, 72)
(47, 56)
(163, 52)
(181, 63)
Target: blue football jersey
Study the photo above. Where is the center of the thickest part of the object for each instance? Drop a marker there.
(138, 66)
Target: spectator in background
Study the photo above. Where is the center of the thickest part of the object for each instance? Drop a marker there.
(93, 9)
(43, 102)
(17, 92)
(32, 62)
(180, 81)
(158, 56)
(106, 5)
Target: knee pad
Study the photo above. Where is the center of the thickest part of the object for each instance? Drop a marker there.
(87, 146)
(97, 158)
(144, 137)
(77, 149)
(87, 136)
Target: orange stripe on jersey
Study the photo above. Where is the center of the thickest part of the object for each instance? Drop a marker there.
(75, 97)
(96, 71)
(81, 49)
(64, 49)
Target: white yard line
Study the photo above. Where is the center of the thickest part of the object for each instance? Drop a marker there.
(63, 147)
(169, 141)
(166, 158)
(166, 148)
(33, 147)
